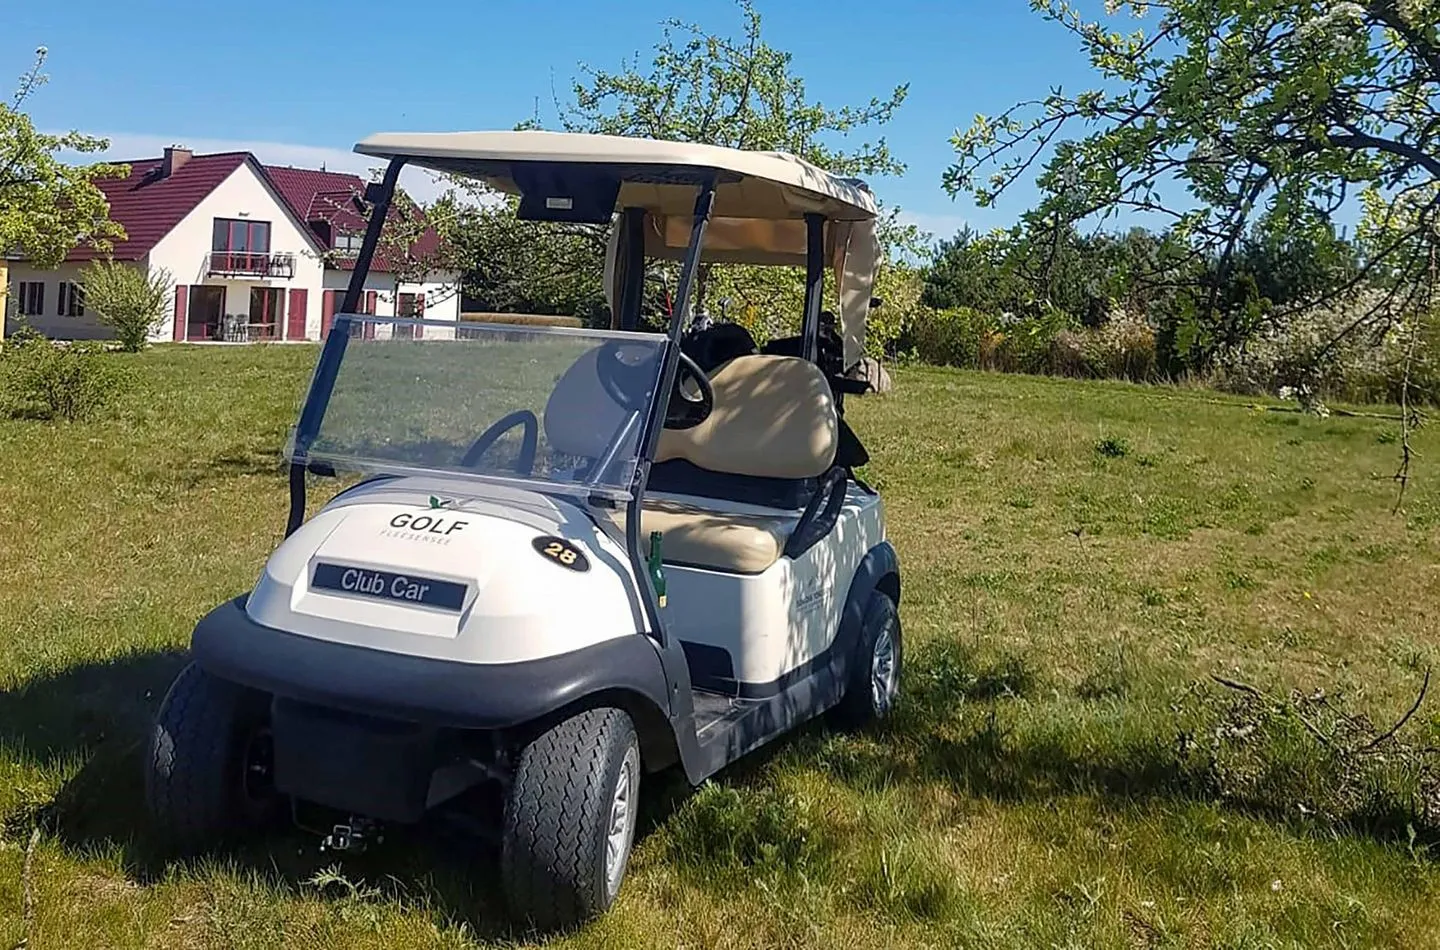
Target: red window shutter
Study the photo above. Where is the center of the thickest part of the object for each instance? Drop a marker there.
(182, 295)
(419, 314)
(327, 312)
(370, 298)
(299, 301)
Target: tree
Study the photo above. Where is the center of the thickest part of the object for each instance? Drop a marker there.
(129, 299)
(735, 92)
(1224, 115)
(520, 266)
(732, 91)
(47, 207)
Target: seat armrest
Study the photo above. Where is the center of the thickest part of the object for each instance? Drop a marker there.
(819, 517)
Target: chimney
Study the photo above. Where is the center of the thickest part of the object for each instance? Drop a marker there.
(175, 159)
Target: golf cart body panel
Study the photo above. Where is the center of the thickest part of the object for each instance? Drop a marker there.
(572, 540)
(744, 634)
(366, 571)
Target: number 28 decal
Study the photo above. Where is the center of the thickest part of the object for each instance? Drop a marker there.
(562, 552)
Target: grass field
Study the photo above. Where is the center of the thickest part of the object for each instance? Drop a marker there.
(1078, 559)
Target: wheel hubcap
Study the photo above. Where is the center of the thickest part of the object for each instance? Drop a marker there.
(882, 672)
(622, 825)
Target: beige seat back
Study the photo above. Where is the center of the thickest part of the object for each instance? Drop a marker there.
(774, 417)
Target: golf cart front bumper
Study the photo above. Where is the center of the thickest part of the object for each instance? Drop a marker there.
(377, 683)
(388, 736)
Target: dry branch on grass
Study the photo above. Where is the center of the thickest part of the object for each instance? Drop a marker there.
(1354, 771)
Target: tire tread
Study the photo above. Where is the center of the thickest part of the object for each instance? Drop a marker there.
(554, 821)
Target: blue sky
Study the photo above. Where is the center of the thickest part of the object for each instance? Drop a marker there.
(300, 82)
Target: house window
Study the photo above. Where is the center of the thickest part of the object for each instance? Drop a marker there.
(240, 246)
(30, 298)
(348, 242)
(234, 235)
(72, 299)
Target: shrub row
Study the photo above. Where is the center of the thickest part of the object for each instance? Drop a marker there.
(1048, 343)
(1315, 355)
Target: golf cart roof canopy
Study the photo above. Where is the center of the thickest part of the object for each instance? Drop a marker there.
(767, 205)
(658, 176)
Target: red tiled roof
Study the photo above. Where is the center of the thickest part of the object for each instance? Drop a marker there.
(320, 195)
(149, 206)
(330, 197)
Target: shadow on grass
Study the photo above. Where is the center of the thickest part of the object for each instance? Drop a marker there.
(952, 734)
(99, 715)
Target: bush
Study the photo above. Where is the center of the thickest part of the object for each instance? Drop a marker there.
(43, 380)
(949, 337)
(1121, 348)
(1025, 343)
(131, 301)
(975, 340)
(1321, 354)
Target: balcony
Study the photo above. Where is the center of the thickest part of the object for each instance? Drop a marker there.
(251, 264)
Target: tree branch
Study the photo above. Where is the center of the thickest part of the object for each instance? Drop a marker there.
(1361, 141)
(1388, 12)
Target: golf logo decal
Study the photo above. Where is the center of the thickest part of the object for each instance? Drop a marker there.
(562, 552)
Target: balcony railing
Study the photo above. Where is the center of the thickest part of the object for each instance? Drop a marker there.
(251, 264)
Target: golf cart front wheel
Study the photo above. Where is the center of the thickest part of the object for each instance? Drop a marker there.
(570, 820)
(873, 685)
(208, 773)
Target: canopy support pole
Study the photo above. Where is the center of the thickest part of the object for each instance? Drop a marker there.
(328, 367)
(659, 407)
(633, 287)
(814, 285)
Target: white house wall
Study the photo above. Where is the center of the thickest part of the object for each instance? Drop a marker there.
(442, 296)
(50, 322)
(185, 251)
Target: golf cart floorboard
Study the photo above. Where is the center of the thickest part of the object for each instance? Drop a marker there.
(715, 711)
(728, 727)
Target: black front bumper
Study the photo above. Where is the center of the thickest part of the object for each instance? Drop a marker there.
(445, 693)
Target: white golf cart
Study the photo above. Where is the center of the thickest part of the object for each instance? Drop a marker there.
(574, 556)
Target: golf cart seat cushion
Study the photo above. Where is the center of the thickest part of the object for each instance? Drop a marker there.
(774, 417)
(734, 543)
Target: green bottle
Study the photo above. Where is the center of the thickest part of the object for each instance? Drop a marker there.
(657, 572)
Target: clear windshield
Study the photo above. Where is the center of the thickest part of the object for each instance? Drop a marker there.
(556, 408)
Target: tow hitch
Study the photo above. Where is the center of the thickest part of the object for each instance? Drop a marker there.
(353, 836)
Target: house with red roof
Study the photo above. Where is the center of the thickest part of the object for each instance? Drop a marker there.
(254, 252)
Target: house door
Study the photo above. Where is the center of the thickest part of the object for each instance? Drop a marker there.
(206, 306)
(264, 313)
(295, 326)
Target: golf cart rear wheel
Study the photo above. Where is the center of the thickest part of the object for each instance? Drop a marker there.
(570, 820)
(874, 682)
(209, 770)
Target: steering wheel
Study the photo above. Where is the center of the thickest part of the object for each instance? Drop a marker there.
(525, 461)
(627, 373)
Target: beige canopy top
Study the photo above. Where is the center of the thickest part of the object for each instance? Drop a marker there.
(761, 199)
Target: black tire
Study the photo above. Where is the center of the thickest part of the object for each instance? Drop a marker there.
(860, 705)
(205, 778)
(553, 863)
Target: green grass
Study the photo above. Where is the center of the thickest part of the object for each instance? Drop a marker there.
(1077, 559)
